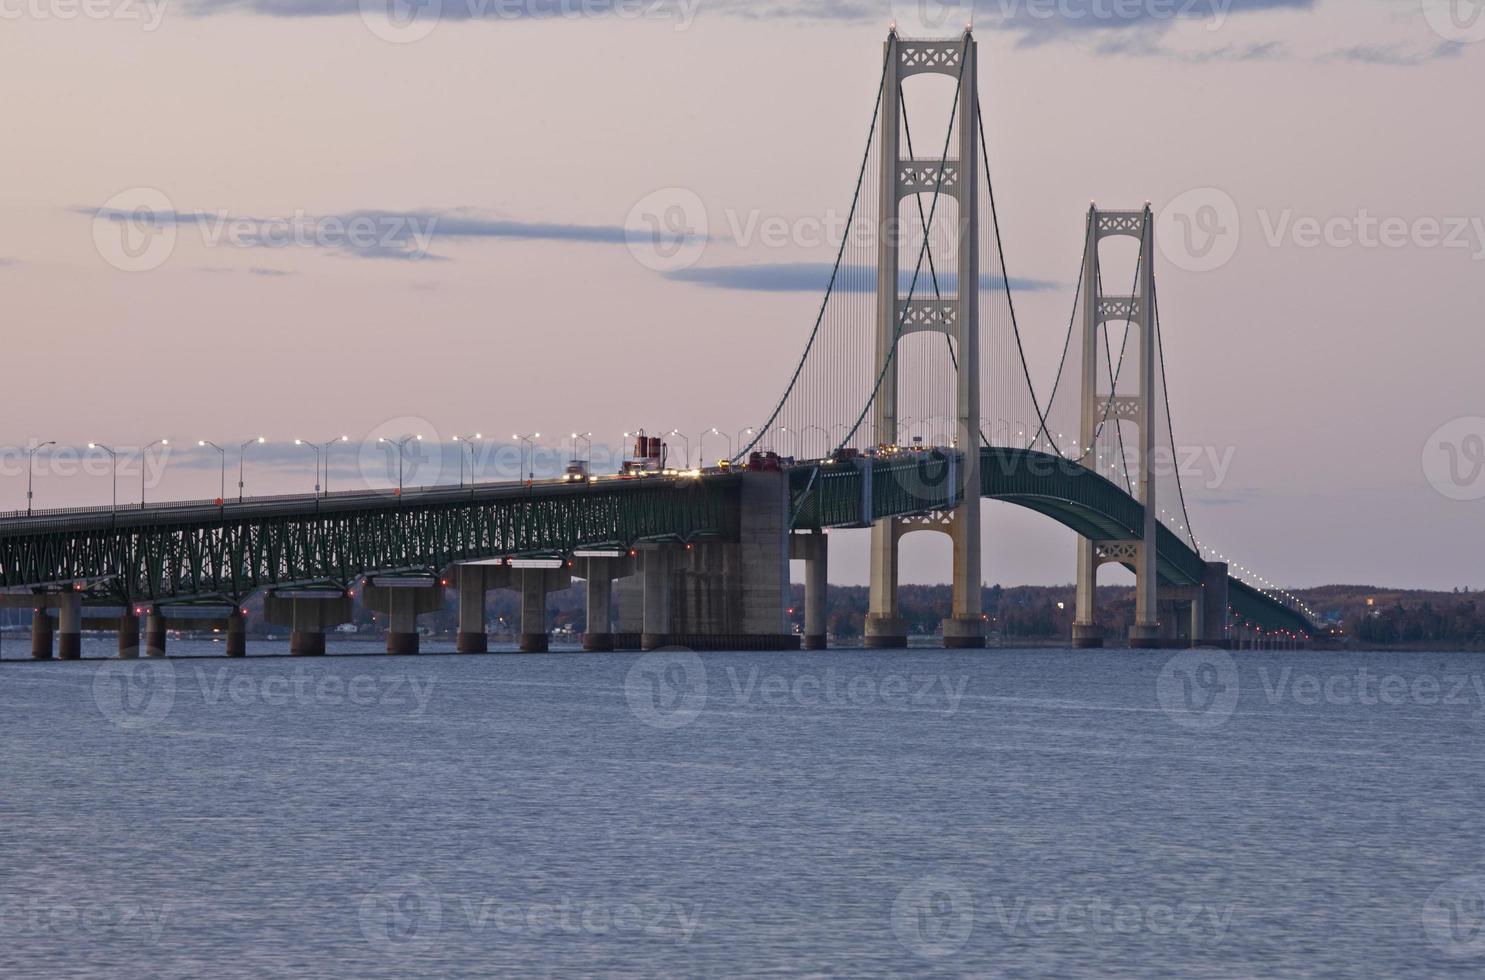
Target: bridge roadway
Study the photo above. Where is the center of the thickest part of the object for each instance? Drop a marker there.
(204, 550)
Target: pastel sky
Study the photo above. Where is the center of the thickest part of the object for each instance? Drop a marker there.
(498, 151)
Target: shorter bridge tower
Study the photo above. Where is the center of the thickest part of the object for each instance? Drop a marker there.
(1101, 408)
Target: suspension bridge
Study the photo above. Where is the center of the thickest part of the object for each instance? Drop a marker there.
(917, 326)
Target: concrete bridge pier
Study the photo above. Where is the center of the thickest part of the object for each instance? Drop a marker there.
(43, 625)
(599, 575)
(69, 626)
(629, 608)
(535, 584)
(402, 604)
(469, 580)
(884, 628)
(814, 548)
(655, 566)
(154, 633)
(308, 615)
(129, 634)
(236, 633)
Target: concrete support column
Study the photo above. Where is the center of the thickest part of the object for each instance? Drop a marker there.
(1216, 624)
(1198, 621)
(1166, 611)
(402, 622)
(154, 633)
(129, 634)
(816, 577)
(534, 611)
(472, 635)
(307, 616)
(656, 564)
(884, 629)
(1086, 632)
(236, 634)
(42, 626)
(598, 635)
(69, 626)
(629, 611)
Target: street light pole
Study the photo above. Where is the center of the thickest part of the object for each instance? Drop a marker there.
(316, 449)
(687, 442)
(223, 453)
(144, 458)
(401, 444)
(740, 434)
(30, 456)
(115, 469)
(327, 446)
(241, 452)
(528, 441)
(585, 437)
(468, 444)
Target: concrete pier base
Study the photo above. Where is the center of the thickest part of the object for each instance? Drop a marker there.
(399, 643)
(469, 642)
(964, 634)
(598, 642)
(307, 643)
(885, 633)
(1087, 636)
(1144, 636)
(534, 643)
(42, 626)
(154, 634)
(816, 642)
(236, 634)
(128, 635)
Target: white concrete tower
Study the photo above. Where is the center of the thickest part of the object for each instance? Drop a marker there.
(1101, 408)
(956, 316)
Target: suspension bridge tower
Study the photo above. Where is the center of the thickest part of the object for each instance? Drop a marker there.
(1103, 412)
(956, 316)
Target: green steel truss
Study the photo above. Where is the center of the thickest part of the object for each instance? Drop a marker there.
(169, 553)
(201, 550)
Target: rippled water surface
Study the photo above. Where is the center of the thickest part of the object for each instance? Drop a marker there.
(1020, 813)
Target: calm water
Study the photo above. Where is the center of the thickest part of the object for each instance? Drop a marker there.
(1021, 813)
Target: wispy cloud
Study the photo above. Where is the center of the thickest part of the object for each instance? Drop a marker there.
(812, 277)
(6, 262)
(1399, 55)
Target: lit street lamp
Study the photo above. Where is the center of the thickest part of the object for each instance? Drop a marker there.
(528, 441)
(469, 444)
(686, 464)
(401, 444)
(115, 458)
(223, 453)
(31, 455)
(241, 452)
(144, 458)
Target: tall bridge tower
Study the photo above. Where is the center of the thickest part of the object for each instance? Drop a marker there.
(1107, 408)
(957, 317)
